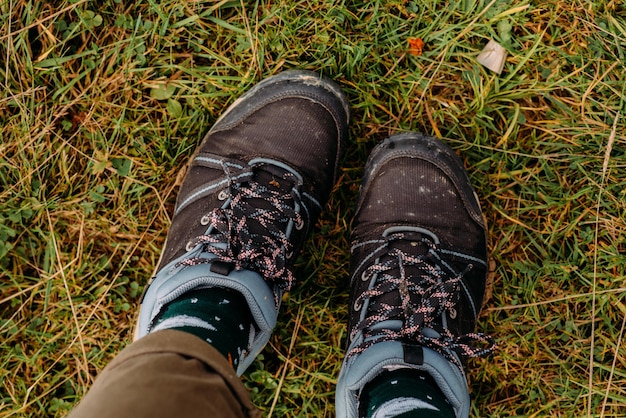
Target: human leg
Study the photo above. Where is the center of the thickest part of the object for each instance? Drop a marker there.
(167, 374)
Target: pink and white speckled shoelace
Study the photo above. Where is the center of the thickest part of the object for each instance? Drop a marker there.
(439, 289)
(254, 227)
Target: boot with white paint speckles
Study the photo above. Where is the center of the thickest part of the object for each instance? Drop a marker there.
(419, 272)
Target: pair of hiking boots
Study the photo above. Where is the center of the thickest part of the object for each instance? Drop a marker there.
(252, 193)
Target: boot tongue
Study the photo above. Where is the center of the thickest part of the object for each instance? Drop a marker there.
(274, 185)
(261, 207)
(274, 178)
(414, 245)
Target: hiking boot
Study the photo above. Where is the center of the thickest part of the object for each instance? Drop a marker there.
(252, 192)
(418, 274)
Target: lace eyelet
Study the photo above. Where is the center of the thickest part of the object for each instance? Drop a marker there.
(289, 255)
(205, 220)
(222, 195)
(452, 313)
(190, 246)
(357, 306)
(299, 225)
(364, 276)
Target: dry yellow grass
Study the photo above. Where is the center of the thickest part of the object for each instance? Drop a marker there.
(102, 103)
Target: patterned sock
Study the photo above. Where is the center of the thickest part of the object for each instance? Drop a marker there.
(219, 316)
(404, 393)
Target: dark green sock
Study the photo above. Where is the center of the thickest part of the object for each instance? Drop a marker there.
(219, 316)
(407, 393)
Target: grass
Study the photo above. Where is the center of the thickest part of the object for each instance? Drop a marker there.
(102, 104)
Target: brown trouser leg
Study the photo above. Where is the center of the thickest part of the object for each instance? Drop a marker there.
(167, 374)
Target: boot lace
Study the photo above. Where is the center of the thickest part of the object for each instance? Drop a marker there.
(435, 285)
(252, 231)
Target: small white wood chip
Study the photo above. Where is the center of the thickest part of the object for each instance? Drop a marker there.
(493, 57)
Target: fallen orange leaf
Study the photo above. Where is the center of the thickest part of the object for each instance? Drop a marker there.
(416, 46)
